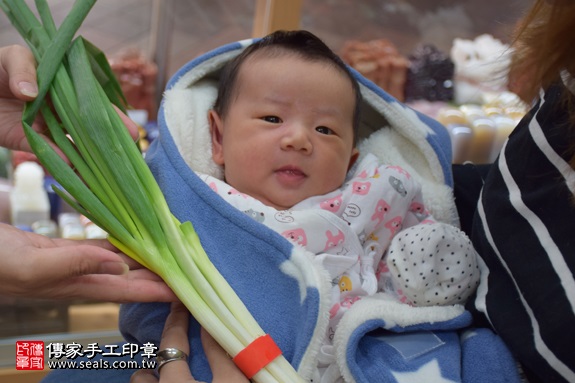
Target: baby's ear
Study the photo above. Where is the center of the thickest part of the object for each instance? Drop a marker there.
(217, 135)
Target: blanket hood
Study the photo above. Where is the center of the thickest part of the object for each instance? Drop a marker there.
(277, 281)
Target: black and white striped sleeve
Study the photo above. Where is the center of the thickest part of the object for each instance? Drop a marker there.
(524, 231)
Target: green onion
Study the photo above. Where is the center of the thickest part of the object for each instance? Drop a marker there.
(109, 181)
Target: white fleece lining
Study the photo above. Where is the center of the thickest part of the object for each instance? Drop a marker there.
(406, 145)
(187, 109)
(380, 306)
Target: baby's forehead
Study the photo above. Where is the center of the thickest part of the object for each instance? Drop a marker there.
(272, 53)
(268, 54)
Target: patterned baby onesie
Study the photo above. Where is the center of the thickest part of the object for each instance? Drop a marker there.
(379, 208)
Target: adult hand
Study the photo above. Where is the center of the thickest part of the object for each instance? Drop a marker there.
(35, 266)
(18, 85)
(176, 335)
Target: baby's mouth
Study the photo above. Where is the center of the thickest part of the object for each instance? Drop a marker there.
(291, 171)
(290, 176)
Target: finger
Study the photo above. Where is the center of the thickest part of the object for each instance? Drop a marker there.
(100, 243)
(175, 332)
(143, 376)
(130, 125)
(118, 288)
(103, 243)
(49, 268)
(19, 64)
(134, 265)
(222, 366)
(90, 271)
(175, 335)
(74, 261)
(144, 274)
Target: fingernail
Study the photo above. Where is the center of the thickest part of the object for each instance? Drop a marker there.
(113, 268)
(28, 89)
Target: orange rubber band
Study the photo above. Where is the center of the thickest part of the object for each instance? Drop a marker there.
(257, 355)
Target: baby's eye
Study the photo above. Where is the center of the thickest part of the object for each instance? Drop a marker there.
(272, 119)
(324, 130)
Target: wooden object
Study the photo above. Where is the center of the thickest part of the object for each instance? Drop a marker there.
(273, 15)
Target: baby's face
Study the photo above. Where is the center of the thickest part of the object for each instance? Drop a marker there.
(288, 133)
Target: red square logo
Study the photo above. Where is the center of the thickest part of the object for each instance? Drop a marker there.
(29, 355)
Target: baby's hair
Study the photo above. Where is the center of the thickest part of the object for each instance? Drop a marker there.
(302, 44)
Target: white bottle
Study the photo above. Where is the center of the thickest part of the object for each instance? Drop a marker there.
(29, 201)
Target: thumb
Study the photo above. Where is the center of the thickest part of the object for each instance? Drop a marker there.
(19, 64)
(130, 124)
(223, 368)
(143, 376)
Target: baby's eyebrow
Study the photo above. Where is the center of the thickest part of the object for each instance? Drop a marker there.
(322, 110)
(328, 111)
(276, 100)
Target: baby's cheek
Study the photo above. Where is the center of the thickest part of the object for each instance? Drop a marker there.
(329, 184)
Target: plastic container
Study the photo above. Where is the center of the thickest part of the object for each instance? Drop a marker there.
(461, 142)
(29, 200)
(484, 132)
(92, 230)
(472, 112)
(450, 115)
(70, 226)
(504, 126)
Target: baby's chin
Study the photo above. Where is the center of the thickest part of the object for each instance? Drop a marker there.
(283, 203)
(280, 206)
(287, 199)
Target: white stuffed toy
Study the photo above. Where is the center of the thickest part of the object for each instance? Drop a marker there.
(481, 67)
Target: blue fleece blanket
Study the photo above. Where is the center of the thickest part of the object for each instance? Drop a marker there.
(378, 339)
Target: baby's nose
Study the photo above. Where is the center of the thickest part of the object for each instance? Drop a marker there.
(297, 137)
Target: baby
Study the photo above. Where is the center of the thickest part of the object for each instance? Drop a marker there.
(284, 129)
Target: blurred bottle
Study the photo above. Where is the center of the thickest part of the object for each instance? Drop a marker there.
(460, 132)
(29, 201)
(484, 133)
